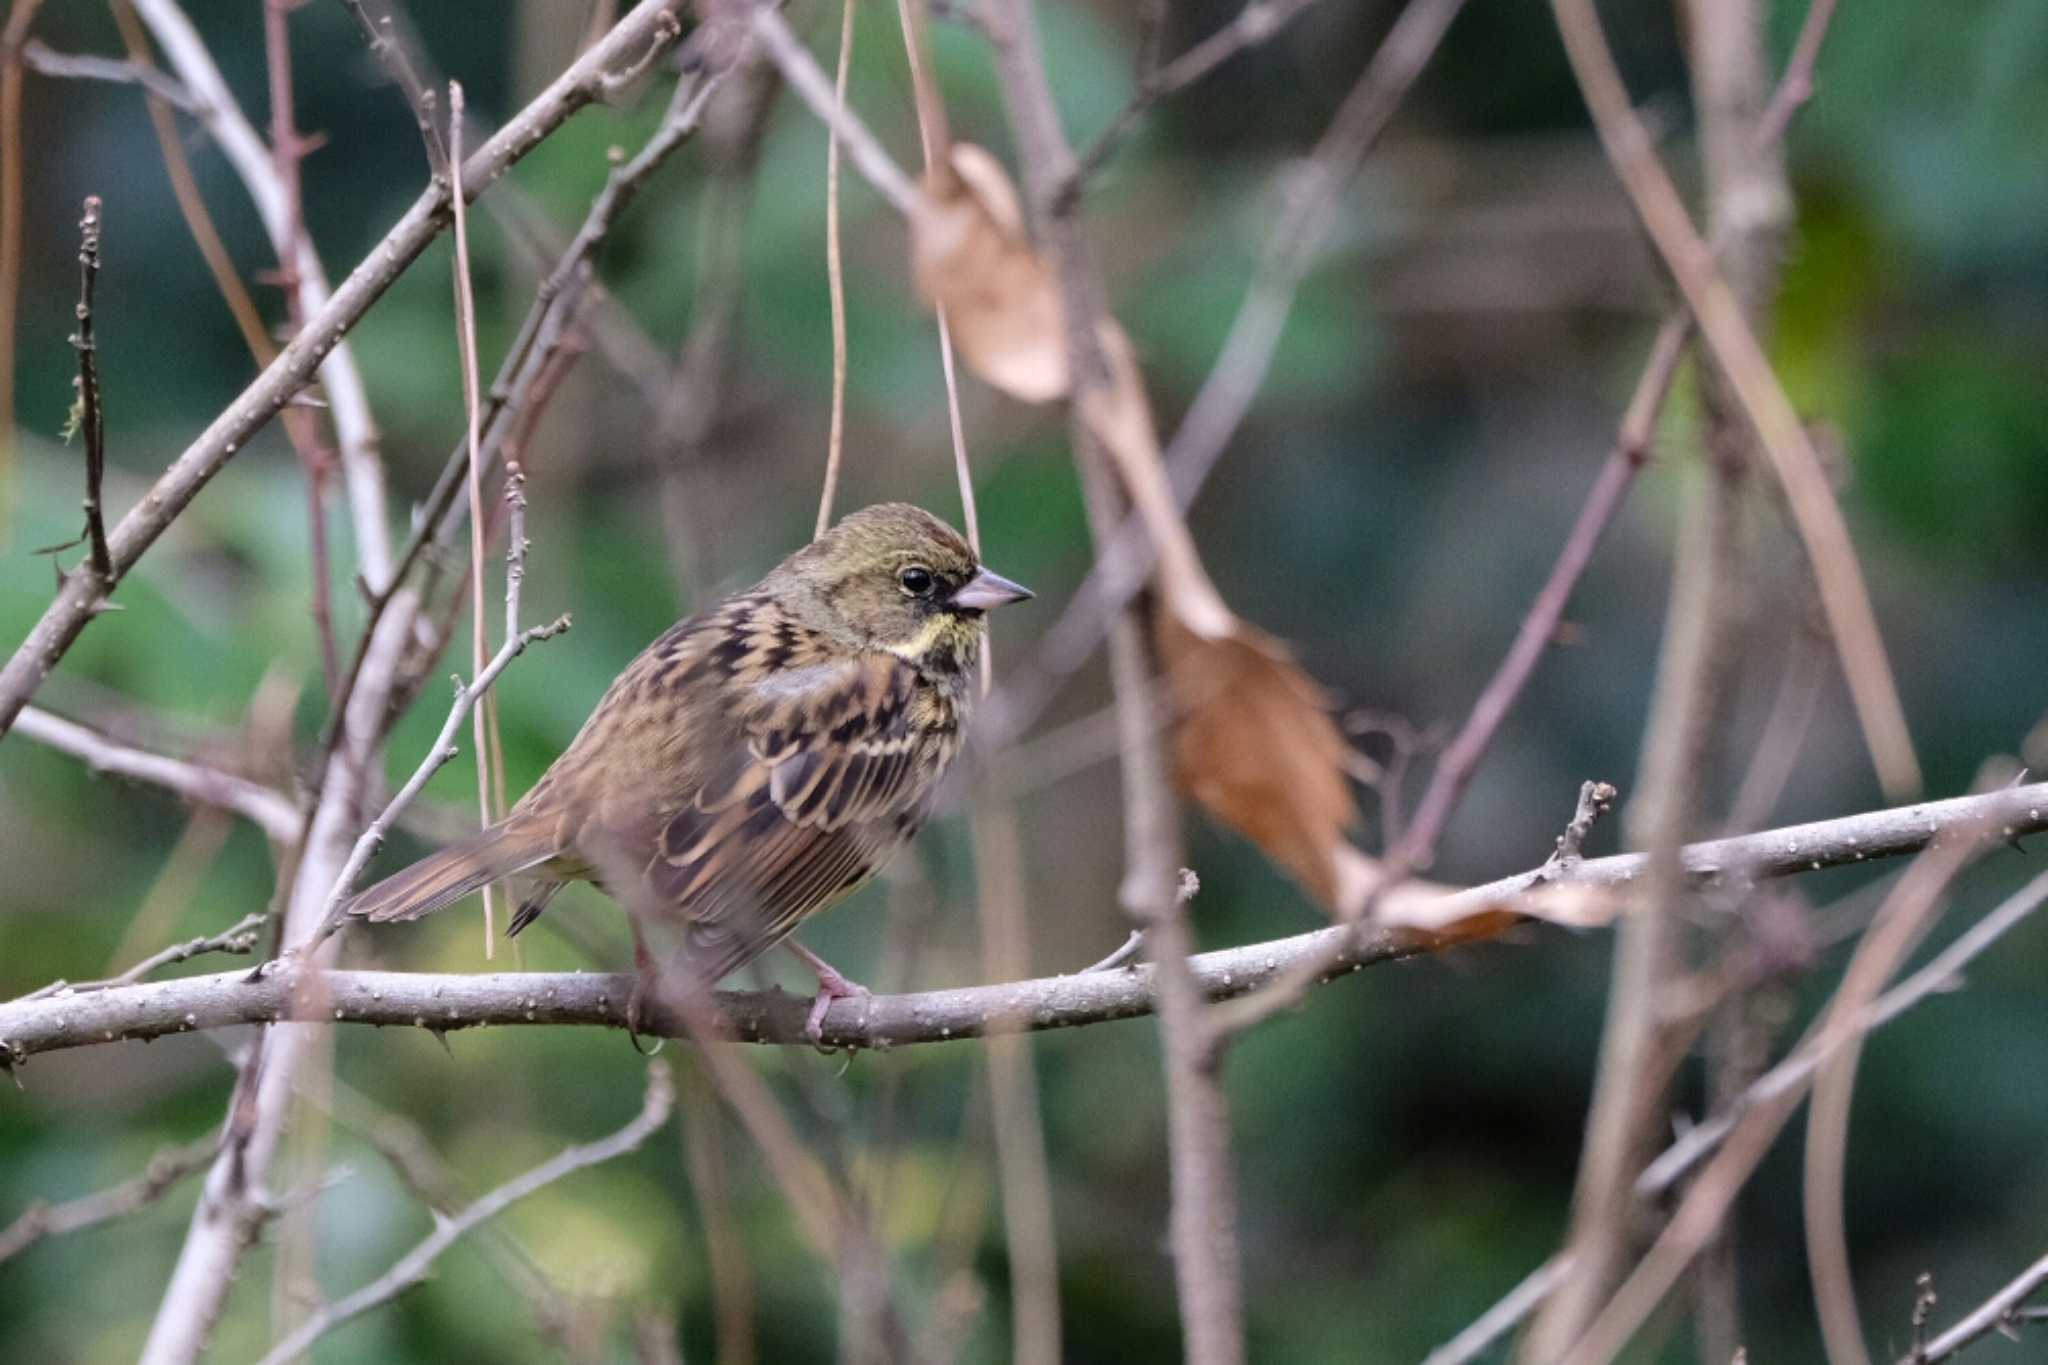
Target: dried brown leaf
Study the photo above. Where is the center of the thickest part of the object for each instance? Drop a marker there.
(1255, 745)
(972, 259)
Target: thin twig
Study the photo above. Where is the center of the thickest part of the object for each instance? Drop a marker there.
(382, 40)
(1125, 952)
(272, 811)
(89, 414)
(2002, 1312)
(484, 720)
(415, 1264)
(653, 22)
(1497, 1321)
(1755, 385)
(1595, 800)
(460, 1001)
(1797, 86)
(288, 150)
(443, 749)
(12, 37)
(1311, 207)
(239, 937)
(1256, 23)
(804, 77)
(1899, 926)
(1460, 759)
(133, 1195)
(191, 203)
(44, 60)
(835, 280)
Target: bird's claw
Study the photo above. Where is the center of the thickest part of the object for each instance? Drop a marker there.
(636, 1015)
(831, 986)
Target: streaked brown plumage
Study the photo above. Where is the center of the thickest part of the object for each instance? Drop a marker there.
(756, 764)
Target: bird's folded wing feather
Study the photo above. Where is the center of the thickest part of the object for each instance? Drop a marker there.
(823, 783)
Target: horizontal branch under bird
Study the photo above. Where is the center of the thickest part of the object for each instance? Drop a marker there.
(449, 1002)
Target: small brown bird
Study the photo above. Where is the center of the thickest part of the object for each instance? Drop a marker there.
(756, 764)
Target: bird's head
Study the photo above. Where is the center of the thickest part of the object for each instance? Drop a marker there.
(895, 577)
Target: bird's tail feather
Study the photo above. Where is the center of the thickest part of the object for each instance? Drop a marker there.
(443, 878)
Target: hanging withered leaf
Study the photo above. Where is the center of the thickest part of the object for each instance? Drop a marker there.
(971, 257)
(1253, 737)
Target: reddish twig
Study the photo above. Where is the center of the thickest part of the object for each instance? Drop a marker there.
(1796, 88)
(1460, 760)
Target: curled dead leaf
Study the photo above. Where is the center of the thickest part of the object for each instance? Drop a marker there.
(1255, 745)
(972, 259)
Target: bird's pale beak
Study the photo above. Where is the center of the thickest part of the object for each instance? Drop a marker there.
(986, 590)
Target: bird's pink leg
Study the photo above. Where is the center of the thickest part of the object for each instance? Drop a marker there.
(831, 986)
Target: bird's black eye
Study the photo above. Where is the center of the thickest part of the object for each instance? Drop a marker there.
(917, 580)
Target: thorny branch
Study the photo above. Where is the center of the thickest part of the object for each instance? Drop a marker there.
(91, 419)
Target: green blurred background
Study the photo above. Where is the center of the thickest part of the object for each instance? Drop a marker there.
(1449, 380)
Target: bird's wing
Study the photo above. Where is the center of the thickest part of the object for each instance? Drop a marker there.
(827, 776)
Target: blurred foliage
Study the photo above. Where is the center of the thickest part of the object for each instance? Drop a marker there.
(1446, 386)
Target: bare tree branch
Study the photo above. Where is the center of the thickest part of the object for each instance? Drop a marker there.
(1765, 407)
(414, 1265)
(1942, 974)
(1256, 23)
(465, 1001)
(157, 1179)
(239, 937)
(1460, 759)
(276, 814)
(270, 174)
(44, 60)
(652, 24)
